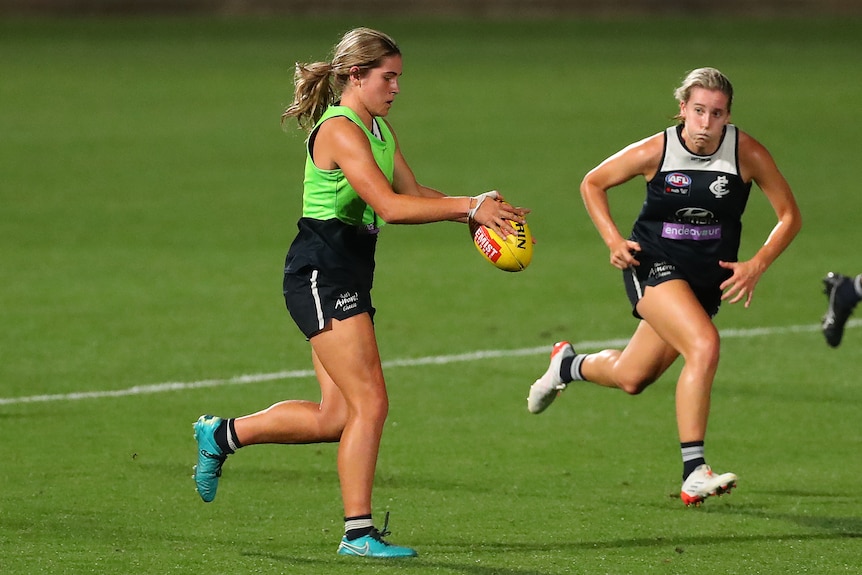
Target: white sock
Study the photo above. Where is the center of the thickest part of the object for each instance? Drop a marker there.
(576, 367)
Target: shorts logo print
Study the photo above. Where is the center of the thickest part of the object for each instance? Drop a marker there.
(661, 269)
(347, 301)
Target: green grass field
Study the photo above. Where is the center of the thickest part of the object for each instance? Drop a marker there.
(147, 197)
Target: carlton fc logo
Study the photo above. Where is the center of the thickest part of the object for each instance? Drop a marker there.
(677, 183)
(719, 187)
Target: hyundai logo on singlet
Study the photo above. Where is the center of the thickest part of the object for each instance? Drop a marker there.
(677, 183)
(698, 216)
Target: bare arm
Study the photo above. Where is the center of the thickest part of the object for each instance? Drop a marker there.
(341, 143)
(757, 164)
(638, 159)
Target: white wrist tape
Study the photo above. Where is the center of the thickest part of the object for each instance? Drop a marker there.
(479, 199)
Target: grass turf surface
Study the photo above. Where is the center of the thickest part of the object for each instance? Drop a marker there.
(148, 196)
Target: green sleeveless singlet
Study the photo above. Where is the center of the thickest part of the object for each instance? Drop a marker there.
(327, 194)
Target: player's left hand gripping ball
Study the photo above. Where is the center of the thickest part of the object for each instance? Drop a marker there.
(512, 254)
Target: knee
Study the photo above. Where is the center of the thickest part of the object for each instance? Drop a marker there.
(372, 407)
(370, 412)
(703, 353)
(635, 383)
(379, 408)
(634, 379)
(631, 376)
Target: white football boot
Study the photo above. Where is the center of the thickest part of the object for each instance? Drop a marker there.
(548, 387)
(703, 483)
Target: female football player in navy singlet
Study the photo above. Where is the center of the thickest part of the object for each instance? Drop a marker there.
(680, 261)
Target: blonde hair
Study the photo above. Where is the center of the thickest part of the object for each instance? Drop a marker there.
(320, 84)
(707, 78)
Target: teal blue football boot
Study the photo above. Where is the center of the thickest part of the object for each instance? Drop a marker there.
(373, 545)
(210, 457)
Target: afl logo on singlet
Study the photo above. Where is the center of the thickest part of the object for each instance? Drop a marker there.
(677, 183)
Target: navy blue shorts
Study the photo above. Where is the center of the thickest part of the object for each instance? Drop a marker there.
(638, 278)
(313, 300)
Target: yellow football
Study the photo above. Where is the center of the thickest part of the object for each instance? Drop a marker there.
(512, 254)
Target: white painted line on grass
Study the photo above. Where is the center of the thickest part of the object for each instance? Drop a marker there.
(408, 362)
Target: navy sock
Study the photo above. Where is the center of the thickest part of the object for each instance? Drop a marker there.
(570, 368)
(225, 437)
(566, 369)
(847, 291)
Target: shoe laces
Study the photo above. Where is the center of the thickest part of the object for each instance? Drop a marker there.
(381, 533)
(220, 458)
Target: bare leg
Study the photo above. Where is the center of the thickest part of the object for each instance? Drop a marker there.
(352, 410)
(348, 353)
(298, 421)
(674, 324)
(644, 359)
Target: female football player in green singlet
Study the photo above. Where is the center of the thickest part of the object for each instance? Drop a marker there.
(356, 180)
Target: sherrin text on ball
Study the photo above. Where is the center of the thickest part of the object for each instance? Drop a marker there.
(512, 254)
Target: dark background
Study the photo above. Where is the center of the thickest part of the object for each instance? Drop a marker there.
(484, 8)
